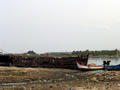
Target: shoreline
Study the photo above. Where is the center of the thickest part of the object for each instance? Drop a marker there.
(104, 56)
(58, 79)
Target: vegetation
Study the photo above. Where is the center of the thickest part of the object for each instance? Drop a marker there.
(31, 52)
(96, 53)
(108, 53)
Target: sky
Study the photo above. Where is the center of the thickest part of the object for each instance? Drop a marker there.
(59, 25)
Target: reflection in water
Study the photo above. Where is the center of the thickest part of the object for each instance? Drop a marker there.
(99, 61)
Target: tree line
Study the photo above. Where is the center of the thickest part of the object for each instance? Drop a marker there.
(95, 53)
(99, 53)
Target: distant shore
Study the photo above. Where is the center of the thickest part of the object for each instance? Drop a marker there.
(104, 56)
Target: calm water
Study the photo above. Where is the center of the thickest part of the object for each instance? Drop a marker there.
(99, 61)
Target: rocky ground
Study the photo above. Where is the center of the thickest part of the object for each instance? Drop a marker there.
(12, 78)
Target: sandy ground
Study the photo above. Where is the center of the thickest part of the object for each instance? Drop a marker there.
(12, 78)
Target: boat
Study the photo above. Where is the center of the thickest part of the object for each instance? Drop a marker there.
(112, 67)
(89, 67)
(42, 61)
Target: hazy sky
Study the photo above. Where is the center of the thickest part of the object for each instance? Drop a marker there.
(59, 25)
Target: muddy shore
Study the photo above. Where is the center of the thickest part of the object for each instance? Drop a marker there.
(12, 78)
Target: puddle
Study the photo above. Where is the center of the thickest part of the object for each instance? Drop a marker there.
(22, 83)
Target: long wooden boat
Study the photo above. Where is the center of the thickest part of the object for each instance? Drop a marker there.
(88, 67)
(45, 62)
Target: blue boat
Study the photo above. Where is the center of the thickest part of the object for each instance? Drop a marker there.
(112, 67)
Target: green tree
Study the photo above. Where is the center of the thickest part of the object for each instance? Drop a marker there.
(31, 52)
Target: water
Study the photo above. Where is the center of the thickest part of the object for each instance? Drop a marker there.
(22, 83)
(99, 61)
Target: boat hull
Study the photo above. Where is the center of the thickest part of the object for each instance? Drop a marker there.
(112, 67)
(89, 68)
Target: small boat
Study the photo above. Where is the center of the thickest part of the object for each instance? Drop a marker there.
(112, 67)
(88, 67)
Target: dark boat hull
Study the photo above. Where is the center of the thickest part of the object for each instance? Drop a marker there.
(112, 67)
(46, 62)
